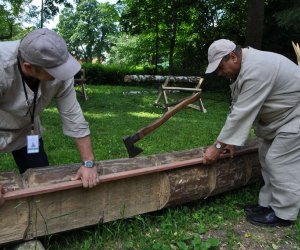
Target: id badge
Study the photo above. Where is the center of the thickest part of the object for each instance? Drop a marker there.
(32, 144)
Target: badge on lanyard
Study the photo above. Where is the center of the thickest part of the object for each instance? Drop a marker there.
(32, 140)
(32, 144)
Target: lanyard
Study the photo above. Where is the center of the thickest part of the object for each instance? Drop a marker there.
(27, 99)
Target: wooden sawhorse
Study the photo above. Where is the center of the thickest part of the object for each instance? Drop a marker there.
(165, 89)
(79, 84)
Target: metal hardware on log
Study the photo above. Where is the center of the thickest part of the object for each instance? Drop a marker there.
(43, 201)
(130, 140)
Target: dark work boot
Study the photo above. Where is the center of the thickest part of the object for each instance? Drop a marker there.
(254, 209)
(268, 219)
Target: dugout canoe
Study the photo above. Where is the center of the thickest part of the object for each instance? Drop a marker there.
(44, 201)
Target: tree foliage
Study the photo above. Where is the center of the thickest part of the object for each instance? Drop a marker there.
(281, 26)
(87, 29)
(289, 17)
(49, 9)
(130, 50)
(45, 12)
(160, 33)
(10, 17)
(181, 30)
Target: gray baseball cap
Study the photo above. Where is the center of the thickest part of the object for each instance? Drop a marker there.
(216, 51)
(45, 48)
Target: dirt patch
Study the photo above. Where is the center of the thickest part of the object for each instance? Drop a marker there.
(243, 235)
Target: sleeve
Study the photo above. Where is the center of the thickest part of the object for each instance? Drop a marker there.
(255, 84)
(73, 121)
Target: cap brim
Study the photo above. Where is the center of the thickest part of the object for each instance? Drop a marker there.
(65, 71)
(213, 66)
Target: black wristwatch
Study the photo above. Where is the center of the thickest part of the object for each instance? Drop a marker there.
(88, 164)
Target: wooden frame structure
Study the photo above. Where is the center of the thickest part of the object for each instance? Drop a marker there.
(79, 84)
(165, 89)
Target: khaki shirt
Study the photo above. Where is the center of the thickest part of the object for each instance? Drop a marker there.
(15, 123)
(266, 94)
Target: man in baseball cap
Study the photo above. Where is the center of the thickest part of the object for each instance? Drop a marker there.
(34, 71)
(265, 93)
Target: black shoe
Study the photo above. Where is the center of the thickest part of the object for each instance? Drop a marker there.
(268, 219)
(254, 209)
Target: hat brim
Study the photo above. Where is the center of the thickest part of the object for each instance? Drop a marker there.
(213, 66)
(65, 71)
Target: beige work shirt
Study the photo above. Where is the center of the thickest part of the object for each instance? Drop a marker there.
(15, 123)
(266, 94)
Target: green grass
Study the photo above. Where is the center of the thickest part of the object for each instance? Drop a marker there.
(113, 113)
(180, 227)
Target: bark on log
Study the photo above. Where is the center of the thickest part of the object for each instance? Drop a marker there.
(160, 78)
(48, 213)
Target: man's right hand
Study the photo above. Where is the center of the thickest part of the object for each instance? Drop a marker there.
(1, 195)
(88, 176)
(211, 155)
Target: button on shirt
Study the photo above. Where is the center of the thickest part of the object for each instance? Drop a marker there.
(15, 120)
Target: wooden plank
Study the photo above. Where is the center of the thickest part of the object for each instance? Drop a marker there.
(297, 51)
(34, 191)
(182, 89)
(161, 180)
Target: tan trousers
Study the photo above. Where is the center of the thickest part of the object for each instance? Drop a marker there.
(280, 161)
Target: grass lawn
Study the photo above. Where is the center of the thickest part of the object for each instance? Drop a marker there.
(113, 112)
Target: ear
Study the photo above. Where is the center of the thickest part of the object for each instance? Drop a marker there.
(234, 57)
(27, 68)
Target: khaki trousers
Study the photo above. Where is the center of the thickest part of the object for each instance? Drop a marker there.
(280, 161)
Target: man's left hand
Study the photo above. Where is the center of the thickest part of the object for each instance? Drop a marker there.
(88, 176)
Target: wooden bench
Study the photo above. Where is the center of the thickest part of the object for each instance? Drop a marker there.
(79, 84)
(169, 85)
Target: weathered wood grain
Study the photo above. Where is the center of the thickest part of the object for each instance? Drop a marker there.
(53, 212)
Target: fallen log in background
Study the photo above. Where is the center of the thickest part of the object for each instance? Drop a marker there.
(149, 184)
(161, 78)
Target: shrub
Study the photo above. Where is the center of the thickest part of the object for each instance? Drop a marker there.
(108, 74)
(113, 74)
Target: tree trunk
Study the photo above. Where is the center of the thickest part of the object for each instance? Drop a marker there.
(50, 203)
(254, 32)
(173, 37)
(160, 78)
(156, 42)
